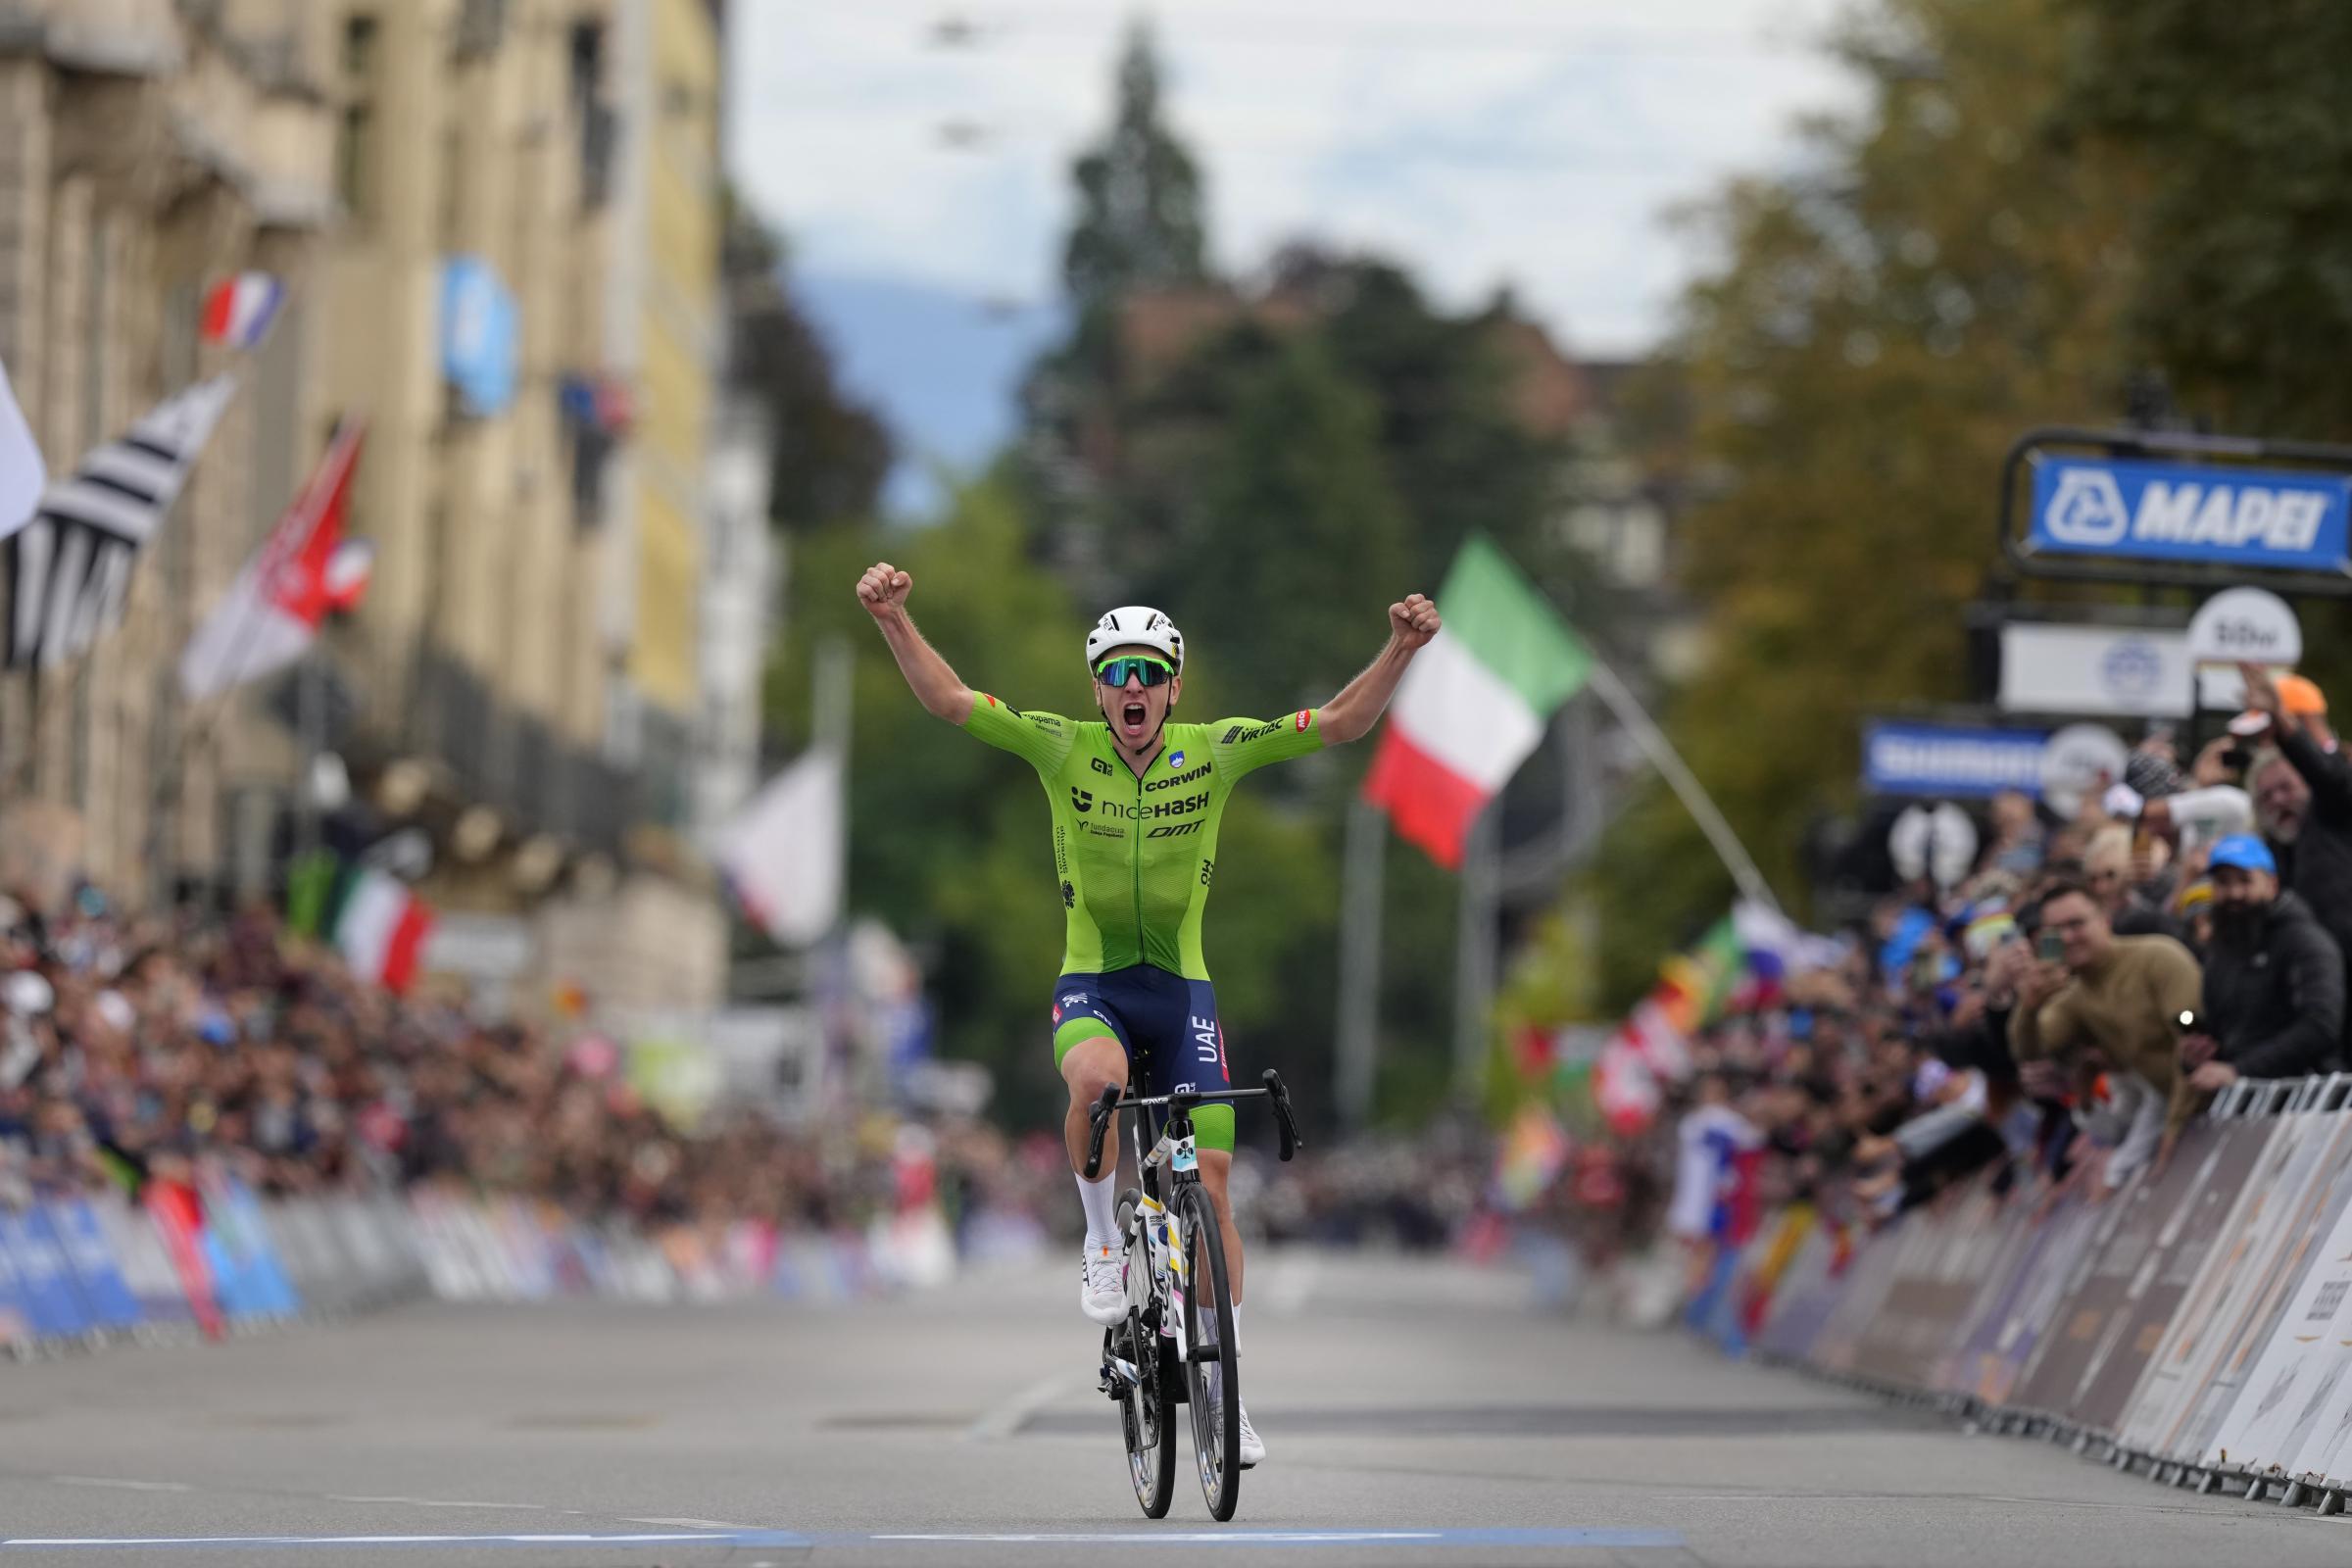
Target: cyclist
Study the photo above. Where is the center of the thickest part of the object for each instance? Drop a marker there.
(1136, 801)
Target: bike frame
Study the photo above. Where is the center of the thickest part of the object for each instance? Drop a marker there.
(1159, 1222)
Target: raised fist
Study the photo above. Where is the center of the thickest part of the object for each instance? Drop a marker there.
(1414, 621)
(883, 589)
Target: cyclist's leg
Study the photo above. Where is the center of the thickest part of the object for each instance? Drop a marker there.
(1201, 1056)
(1089, 1051)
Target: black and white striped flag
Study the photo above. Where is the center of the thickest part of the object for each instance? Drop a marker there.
(70, 564)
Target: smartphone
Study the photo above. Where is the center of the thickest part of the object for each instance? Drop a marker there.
(2049, 947)
(2191, 1025)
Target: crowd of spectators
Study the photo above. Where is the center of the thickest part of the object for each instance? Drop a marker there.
(2059, 1013)
(133, 1049)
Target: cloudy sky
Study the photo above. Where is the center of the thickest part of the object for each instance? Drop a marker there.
(919, 149)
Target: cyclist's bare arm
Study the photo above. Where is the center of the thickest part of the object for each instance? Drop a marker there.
(1413, 622)
(883, 592)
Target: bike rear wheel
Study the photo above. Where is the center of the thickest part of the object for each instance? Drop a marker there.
(1147, 1415)
(1211, 1375)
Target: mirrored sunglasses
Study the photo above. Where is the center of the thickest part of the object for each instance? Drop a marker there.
(1118, 671)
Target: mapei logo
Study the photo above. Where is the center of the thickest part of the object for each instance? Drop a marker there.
(1084, 800)
(2191, 512)
(2087, 509)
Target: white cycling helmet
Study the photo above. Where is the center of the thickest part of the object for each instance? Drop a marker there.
(1134, 627)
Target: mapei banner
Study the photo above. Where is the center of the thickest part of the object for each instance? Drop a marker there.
(2133, 509)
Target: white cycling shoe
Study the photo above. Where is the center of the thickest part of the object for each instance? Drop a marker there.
(1254, 1447)
(1103, 1283)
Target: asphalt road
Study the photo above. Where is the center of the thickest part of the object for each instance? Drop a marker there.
(1415, 1413)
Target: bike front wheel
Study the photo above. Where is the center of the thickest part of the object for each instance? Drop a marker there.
(1147, 1413)
(1212, 1381)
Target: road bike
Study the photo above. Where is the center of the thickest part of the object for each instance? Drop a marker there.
(1175, 1346)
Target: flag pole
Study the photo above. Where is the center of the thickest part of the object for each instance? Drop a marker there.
(1686, 786)
(1474, 950)
(1356, 1065)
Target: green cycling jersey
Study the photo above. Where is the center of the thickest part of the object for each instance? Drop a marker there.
(1134, 855)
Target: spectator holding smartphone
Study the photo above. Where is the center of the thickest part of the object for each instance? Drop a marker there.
(2099, 1002)
(2273, 1005)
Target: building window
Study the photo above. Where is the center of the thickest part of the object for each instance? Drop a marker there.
(452, 189)
(354, 147)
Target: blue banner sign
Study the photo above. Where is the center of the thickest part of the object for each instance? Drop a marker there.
(2135, 509)
(1950, 761)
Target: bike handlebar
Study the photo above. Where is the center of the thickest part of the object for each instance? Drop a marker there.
(1111, 1103)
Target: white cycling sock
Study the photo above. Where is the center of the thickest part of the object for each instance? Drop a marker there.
(1101, 1209)
(1237, 1325)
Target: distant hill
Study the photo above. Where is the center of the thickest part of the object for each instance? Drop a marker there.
(942, 367)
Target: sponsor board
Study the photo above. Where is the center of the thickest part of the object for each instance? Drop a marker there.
(2123, 672)
(2297, 1382)
(1950, 761)
(2135, 510)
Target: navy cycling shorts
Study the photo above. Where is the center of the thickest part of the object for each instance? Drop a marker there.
(1167, 1024)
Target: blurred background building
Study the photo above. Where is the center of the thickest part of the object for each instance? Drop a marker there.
(498, 226)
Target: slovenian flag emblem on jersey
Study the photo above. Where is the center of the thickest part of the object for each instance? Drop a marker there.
(1474, 703)
(239, 310)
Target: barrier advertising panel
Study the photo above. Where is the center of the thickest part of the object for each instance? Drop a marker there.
(2019, 1296)
(2188, 1224)
(2041, 1380)
(2213, 1315)
(2265, 1319)
(2294, 1384)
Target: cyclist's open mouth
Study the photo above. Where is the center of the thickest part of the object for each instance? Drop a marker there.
(1131, 720)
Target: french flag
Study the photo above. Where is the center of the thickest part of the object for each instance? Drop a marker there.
(239, 310)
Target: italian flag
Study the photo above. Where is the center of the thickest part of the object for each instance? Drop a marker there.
(1474, 703)
(372, 917)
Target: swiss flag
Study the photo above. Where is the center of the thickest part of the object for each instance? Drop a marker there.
(270, 615)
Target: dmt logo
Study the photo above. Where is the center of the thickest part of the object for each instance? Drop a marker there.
(2087, 508)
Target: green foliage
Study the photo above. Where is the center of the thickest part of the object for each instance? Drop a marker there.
(831, 454)
(1882, 328)
(1139, 220)
(2235, 116)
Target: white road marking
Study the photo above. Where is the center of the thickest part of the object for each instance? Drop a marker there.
(441, 1503)
(343, 1541)
(1251, 1538)
(125, 1486)
(1007, 1419)
(687, 1524)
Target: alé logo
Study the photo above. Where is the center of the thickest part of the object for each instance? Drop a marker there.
(2089, 509)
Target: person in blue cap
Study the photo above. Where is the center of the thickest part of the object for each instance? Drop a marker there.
(2274, 997)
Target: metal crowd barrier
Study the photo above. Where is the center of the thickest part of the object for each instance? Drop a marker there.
(214, 1260)
(2195, 1326)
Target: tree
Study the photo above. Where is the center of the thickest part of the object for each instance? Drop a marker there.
(2243, 291)
(831, 453)
(1140, 221)
(1944, 274)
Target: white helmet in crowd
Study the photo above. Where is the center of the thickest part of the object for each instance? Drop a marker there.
(1134, 626)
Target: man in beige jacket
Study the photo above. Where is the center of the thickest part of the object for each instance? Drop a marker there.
(2113, 1005)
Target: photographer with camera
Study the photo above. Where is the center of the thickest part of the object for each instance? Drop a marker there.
(2273, 982)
